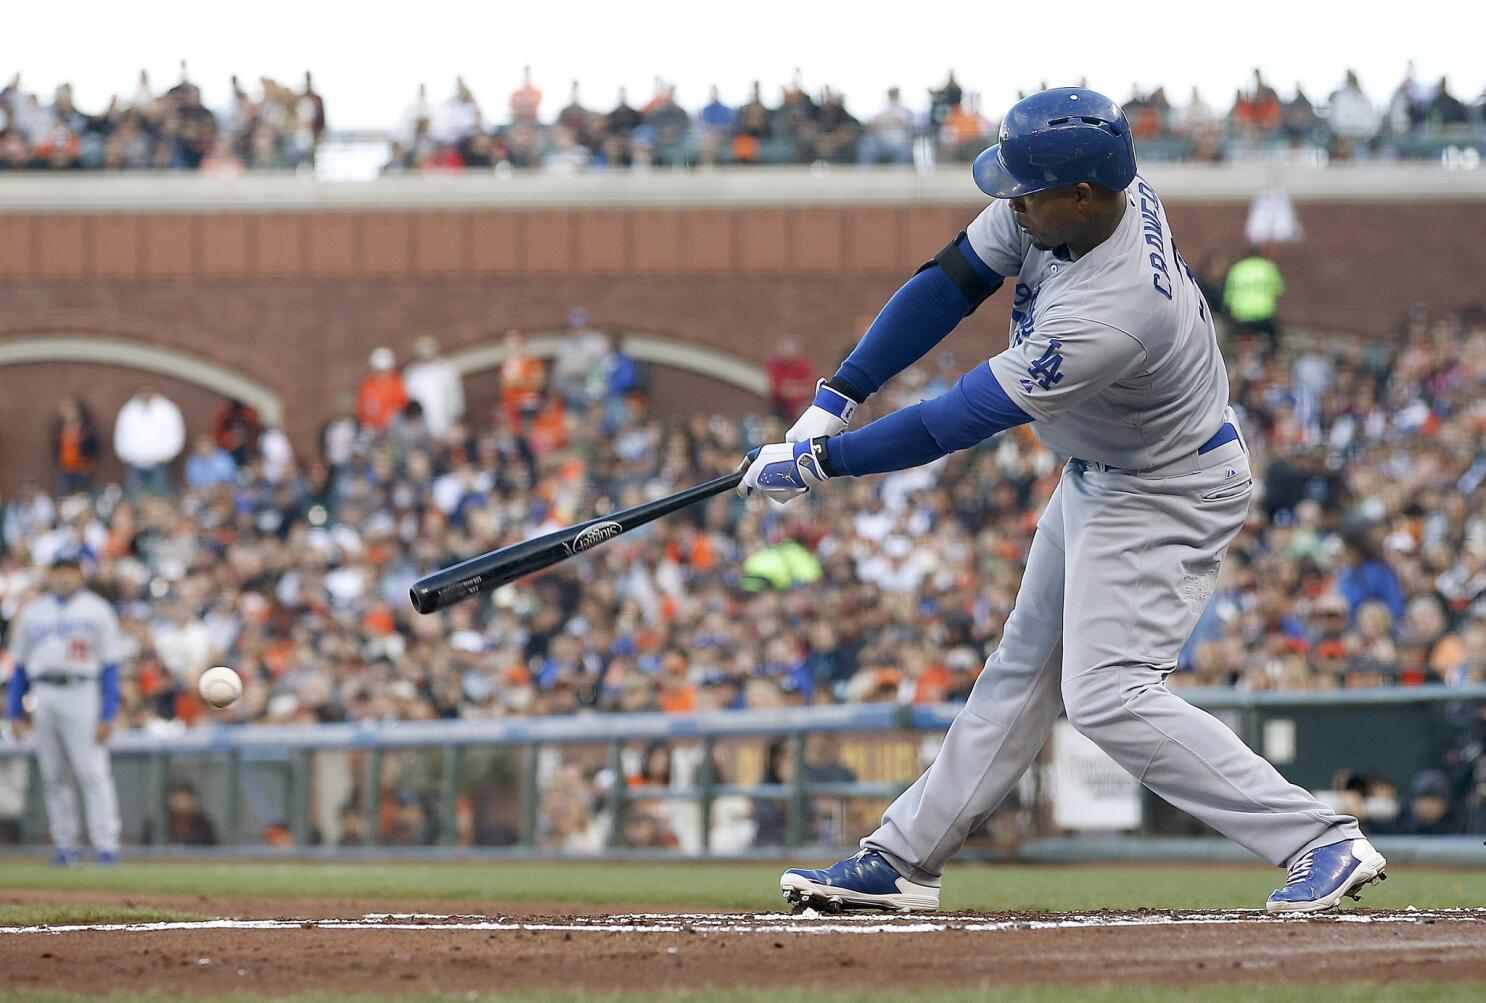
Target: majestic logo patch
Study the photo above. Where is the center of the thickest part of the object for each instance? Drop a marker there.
(593, 536)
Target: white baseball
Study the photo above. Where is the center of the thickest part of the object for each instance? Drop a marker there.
(220, 686)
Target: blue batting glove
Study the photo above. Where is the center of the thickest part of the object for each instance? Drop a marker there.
(784, 470)
(828, 415)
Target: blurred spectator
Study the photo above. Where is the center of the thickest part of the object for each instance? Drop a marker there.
(755, 123)
(943, 101)
(623, 119)
(436, 385)
(1446, 110)
(575, 118)
(526, 100)
(209, 465)
(1251, 295)
(716, 121)
(183, 642)
(382, 395)
(1298, 116)
(1366, 577)
(458, 118)
(837, 130)
(1197, 118)
(792, 377)
(523, 378)
(771, 813)
(276, 453)
(888, 137)
(149, 433)
(1257, 112)
(311, 118)
(236, 428)
(416, 122)
(1429, 811)
(185, 823)
(964, 129)
(29, 513)
(578, 369)
(1354, 120)
(669, 120)
(74, 446)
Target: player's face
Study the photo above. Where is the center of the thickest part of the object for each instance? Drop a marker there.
(64, 580)
(1047, 217)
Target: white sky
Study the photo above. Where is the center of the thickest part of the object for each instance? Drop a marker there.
(369, 56)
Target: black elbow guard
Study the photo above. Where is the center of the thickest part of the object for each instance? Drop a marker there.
(967, 280)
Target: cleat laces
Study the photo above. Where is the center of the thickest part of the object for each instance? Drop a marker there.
(1301, 869)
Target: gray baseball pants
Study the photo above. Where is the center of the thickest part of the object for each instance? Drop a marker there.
(1121, 567)
(66, 720)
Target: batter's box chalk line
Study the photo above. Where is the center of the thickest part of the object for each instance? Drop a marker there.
(771, 923)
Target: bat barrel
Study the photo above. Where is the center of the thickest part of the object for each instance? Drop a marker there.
(490, 571)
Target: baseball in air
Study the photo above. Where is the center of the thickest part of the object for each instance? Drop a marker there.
(220, 686)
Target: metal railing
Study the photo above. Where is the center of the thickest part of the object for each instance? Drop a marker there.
(234, 751)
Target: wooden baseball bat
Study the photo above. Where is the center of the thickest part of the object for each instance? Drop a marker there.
(499, 567)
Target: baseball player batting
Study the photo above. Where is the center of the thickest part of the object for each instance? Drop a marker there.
(65, 644)
(1114, 361)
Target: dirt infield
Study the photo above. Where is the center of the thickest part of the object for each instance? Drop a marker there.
(330, 946)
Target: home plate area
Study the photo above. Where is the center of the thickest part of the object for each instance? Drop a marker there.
(808, 921)
(640, 952)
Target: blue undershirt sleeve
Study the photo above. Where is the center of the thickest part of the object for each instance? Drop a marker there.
(109, 683)
(975, 409)
(20, 683)
(919, 316)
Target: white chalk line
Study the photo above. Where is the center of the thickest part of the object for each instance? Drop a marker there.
(772, 923)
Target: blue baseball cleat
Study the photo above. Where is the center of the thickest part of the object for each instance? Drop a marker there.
(108, 858)
(66, 858)
(1320, 878)
(865, 881)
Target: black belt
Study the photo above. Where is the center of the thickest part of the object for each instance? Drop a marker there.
(65, 679)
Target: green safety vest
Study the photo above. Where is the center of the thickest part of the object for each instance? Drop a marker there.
(1253, 289)
(780, 567)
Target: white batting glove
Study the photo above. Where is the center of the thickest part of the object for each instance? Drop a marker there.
(829, 415)
(784, 470)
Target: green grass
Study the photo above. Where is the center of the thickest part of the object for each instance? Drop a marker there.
(68, 915)
(1355, 992)
(718, 886)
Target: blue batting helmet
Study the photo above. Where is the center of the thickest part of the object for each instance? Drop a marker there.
(1058, 137)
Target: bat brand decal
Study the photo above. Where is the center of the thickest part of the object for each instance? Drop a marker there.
(593, 536)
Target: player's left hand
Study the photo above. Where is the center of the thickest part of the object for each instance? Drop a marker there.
(103, 731)
(784, 470)
(830, 414)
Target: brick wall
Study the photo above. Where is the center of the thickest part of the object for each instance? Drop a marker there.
(297, 300)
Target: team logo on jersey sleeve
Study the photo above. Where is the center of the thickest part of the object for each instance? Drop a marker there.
(1046, 370)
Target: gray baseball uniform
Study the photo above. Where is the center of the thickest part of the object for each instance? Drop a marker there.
(64, 645)
(1115, 358)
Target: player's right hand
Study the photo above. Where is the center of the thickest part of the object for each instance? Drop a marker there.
(18, 728)
(783, 470)
(828, 415)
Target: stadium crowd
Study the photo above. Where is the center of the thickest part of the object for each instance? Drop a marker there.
(168, 129)
(1363, 562)
(281, 127)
